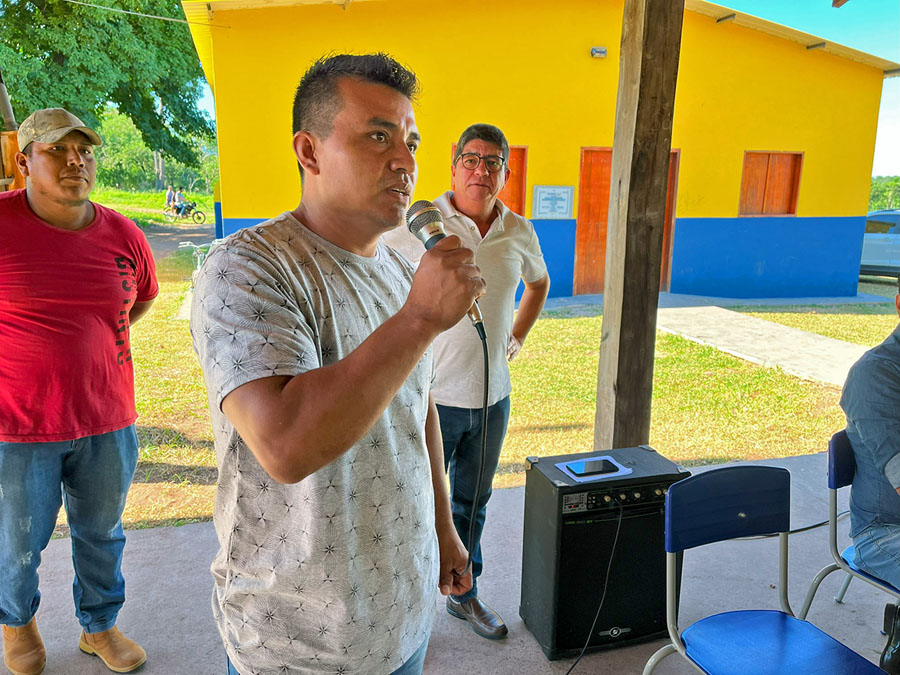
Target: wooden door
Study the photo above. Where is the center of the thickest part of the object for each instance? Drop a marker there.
(590, 226)
(593, 212)
(513, 193)
(665, 268)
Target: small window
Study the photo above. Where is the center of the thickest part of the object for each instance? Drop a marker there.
(770, 182)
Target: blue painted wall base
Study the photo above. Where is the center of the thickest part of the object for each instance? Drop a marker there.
(557, 239)
(765, 257)
(220, 223)
(232, 225)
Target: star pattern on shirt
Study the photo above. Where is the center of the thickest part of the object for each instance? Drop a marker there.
(336, 573)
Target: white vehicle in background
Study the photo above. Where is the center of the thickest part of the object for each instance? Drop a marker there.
(881, 243)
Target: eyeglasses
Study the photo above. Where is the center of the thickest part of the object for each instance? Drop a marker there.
(471, 160)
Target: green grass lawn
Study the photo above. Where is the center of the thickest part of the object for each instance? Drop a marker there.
(708, 407)
(175, 479)
(145, 200)
(146, 208)
(176, 474)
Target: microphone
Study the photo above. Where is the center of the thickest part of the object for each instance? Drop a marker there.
(425, 221)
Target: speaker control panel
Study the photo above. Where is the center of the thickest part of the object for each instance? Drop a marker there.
(594, 500)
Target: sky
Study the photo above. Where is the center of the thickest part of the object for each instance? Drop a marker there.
(871, 26)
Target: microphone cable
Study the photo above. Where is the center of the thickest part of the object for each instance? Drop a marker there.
(484, 422)
(612, 554)
(425, 223)
(841, 516)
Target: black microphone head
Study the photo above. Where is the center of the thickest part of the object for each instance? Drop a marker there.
(420, 214)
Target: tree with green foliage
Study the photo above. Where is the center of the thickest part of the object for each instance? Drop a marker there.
(57, 54)
(885, 193)
(125, 161)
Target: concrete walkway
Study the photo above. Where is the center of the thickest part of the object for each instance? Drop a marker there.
(707, 321)
(798, 352)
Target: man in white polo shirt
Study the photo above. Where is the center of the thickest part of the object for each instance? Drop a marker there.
(506, 250)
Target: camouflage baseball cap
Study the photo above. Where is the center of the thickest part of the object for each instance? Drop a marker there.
(51, 124)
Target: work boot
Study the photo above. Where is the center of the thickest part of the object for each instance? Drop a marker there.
(23, 649)
(890, 657)
(118, 653)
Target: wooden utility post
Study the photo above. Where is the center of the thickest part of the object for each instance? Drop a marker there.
(648, 69)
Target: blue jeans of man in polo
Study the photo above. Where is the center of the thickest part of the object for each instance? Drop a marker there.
(461, 432)
(91, 476)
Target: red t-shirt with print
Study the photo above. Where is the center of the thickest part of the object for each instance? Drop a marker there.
(65, 356)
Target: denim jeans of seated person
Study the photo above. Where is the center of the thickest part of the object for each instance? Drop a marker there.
(878, 552)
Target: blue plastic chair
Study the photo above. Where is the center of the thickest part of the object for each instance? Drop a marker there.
(744, 501)
(841, 467)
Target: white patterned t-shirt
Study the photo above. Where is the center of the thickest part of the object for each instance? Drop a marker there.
(336, 573)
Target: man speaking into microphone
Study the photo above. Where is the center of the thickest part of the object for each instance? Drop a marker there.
(332, 515)
(506, 250)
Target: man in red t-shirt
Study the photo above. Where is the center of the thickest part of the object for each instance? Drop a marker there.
(74, 277)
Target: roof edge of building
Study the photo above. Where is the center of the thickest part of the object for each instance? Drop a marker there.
(723, 14)
(201, 17)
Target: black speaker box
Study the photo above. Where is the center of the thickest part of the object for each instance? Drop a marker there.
(573, 507)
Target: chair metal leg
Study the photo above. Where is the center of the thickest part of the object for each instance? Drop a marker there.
(841, 593)
(824, 572)
(658, 656)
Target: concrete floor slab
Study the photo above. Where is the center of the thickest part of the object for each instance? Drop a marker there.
(169, 586)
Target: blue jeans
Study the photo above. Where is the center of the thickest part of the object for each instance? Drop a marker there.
(878, 552)
(461, 431)
(91, 476)
(413, 665)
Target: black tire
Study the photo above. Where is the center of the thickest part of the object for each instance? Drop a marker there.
(169, 216)
(199, 217)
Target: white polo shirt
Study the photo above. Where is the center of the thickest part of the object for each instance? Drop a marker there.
(508, 252)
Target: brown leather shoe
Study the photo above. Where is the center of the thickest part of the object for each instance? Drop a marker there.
(483, 620)
(118, 653)
(23, 649)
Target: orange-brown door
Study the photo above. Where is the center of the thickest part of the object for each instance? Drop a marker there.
(590, 226)
(593, 211)
(665, 268)
(513, 193)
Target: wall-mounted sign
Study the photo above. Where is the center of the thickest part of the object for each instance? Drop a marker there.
(553, 201)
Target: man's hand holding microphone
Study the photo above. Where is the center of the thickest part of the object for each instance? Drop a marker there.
(447, 282)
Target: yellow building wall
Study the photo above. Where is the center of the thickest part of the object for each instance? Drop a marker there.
(525, 66)
(740, 89)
